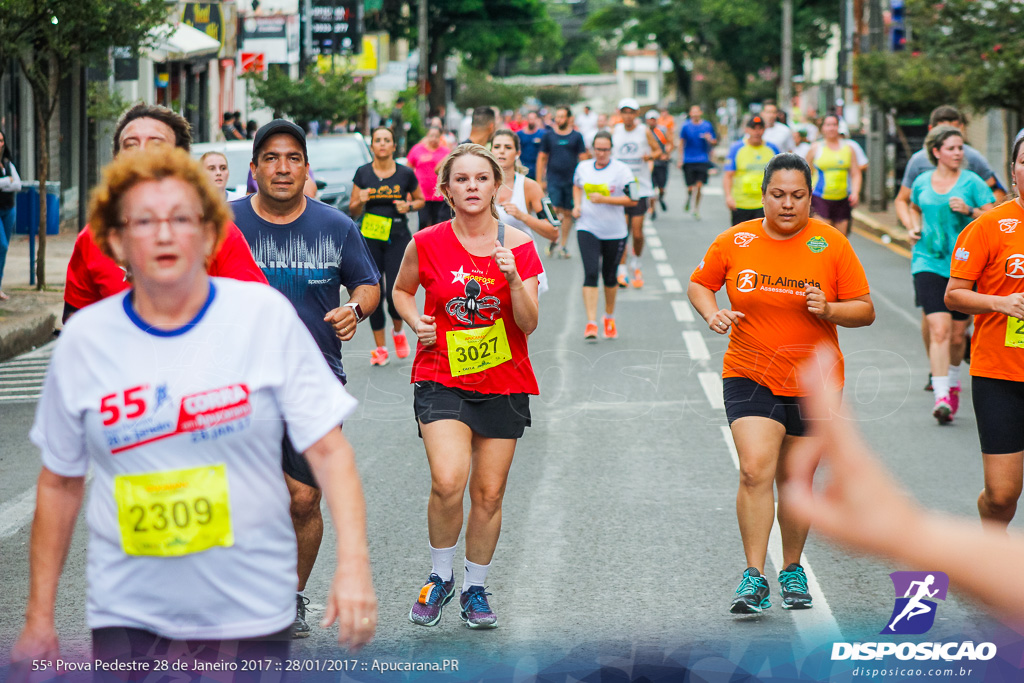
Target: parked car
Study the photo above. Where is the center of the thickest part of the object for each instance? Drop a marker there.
(333, 160)
(237, 152)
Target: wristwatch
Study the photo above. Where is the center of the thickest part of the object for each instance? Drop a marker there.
(357, 309)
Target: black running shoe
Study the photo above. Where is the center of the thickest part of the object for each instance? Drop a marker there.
(928, 387)
(794, 588)
(752, 594)
(661, 200)
(300, 629)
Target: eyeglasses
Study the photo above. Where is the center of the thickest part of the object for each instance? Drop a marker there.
(602, 149)
(178, 223)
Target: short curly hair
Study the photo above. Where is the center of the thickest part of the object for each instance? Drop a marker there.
(172, 119)
(157, 163)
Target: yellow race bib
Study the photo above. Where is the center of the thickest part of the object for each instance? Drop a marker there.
(476, 350)
(376, 227)
(175, 512)
(1014, 332)
(598, 188)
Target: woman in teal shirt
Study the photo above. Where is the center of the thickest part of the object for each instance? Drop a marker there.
(944, 201)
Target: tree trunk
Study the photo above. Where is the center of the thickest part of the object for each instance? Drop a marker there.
(436, 79)
(42, 172)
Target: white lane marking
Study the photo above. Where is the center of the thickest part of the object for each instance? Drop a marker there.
(673, 285)
(18, 384)
(21, 375)
(816, 625)
(22, 364)
(682, 310)
(16, 512)
(711, 383)
(712, 191)
(695, 345)
(659, 254)
(731, 445)
(654, 241)
(650, 231)
(894, 307)
(25, 397)
(665, 270)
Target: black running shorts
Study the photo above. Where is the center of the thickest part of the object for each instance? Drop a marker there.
(493, 416)
(746, 398)
(930, 294)
(998, 406)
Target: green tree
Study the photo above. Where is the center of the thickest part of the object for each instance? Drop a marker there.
(980, 42)
(905, 82)
(585, 63)
(482, 30)
(742, 35)
(49, 39)
(479, 89)
(316, 96)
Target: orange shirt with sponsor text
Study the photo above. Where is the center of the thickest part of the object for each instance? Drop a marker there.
(765, 280)
(990, 251)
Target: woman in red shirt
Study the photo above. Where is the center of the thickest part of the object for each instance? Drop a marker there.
(472, 371)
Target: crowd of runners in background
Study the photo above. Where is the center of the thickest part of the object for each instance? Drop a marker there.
(493, 201)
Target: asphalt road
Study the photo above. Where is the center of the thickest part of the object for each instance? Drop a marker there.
(620, 547)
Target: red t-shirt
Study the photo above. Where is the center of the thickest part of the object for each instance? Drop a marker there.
(990, 252)
(765, 278)
(92, 275)
(468, 292)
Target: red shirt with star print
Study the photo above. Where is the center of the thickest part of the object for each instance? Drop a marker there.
(463, 292)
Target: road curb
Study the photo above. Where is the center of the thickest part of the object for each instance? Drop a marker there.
(896, 235)
(29, 332)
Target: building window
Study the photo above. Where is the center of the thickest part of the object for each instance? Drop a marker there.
(640, 87)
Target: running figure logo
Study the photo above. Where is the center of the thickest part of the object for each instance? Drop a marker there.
(914, 613)
(746, 280)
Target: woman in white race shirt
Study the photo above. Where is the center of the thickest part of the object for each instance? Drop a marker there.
(520, 199)
(600, 201)
(190, 536)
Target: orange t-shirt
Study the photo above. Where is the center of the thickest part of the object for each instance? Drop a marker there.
(990, 251)
(765, 280)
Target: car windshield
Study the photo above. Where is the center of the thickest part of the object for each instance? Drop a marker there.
(331, 154)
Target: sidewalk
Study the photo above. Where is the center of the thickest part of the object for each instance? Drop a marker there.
(28, 319)
(882, 226)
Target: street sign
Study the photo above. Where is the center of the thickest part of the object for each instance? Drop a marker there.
(253, 61)
(335, 26)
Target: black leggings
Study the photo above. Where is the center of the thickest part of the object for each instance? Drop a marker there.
(124, 646)
(388, 257)
(434, 212)
(599, 256)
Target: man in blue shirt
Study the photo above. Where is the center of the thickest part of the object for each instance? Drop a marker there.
(560, 150)
(308, 251)
(529, 143)
(696, 139)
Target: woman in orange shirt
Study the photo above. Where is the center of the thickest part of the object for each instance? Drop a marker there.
(790, 280)
(990, 253)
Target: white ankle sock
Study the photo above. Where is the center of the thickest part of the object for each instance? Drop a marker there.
(476, 575)
(441, 560)
(954, 375)
(940, 387)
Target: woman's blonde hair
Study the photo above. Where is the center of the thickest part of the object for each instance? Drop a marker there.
(473, 149)
(130, 168)
(936, 138)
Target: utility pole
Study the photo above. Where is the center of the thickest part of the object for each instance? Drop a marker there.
(786, 84)
(876, 133)
(424, 70)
